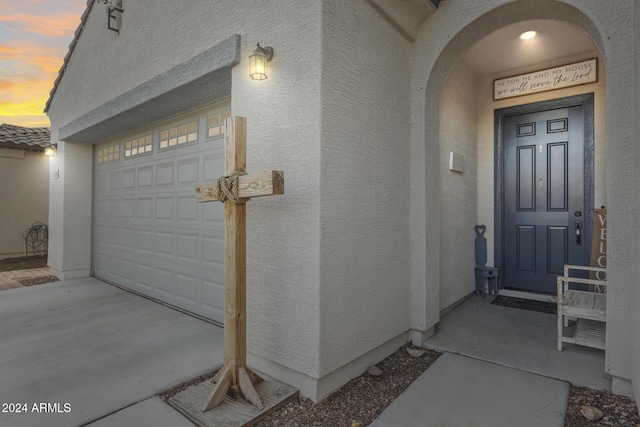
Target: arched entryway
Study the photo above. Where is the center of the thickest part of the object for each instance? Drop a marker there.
(449, 35)
(470, 119)
(453, 85)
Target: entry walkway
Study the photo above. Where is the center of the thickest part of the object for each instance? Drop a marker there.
(461, 391)
(520, 339)
(500, 367)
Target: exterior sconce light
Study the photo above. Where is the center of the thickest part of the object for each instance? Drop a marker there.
(50, 150)
(258, 62)
(110, 14)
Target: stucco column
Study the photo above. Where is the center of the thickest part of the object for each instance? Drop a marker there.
(70, 201)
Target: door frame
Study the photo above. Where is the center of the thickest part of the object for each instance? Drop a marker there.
(587, 101)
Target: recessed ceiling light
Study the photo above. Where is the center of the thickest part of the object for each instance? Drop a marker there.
(528, 35)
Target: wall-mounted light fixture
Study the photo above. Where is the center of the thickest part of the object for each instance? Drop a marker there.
(111, 9)
(50, 150)
(258, 62)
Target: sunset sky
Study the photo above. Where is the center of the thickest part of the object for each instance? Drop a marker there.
(34, 39)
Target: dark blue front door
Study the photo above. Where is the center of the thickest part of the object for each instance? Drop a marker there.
(544, 207)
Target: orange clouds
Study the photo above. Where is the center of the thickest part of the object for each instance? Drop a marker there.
(34, 38)
(56, 25)
(27, 77)
(32, 57)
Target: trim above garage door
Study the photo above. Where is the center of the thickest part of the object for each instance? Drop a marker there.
(200, 80)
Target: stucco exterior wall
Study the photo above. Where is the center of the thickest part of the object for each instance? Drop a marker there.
(364, 253)
(24, 196)
(70, 189)
(283, 114)
(283, 133)
(444, 37)
(56, 211)
(459, 196)
(623, 99)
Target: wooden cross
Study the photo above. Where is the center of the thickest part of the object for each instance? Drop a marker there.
(235, 189)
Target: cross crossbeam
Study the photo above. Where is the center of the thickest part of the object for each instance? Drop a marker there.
(259, 184)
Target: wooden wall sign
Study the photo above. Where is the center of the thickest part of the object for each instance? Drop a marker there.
(599, 243)
(579, 73)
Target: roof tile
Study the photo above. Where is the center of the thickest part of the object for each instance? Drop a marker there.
(21, 137)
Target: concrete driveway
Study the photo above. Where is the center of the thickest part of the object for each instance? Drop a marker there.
(80, 351)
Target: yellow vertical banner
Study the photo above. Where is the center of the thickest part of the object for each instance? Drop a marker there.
(599, 243)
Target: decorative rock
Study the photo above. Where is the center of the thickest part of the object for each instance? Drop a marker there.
(591, 413)
(356, 424)
(415, 352)
(374, 371)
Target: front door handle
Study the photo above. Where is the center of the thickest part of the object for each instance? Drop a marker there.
(578, 233)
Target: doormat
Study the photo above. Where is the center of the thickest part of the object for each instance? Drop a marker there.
(525, 304)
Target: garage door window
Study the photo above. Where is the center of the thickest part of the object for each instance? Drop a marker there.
(109, 154)
(178, 135)
(138, 146)
(215, 124)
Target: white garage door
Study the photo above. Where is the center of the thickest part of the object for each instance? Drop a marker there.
(150, 235)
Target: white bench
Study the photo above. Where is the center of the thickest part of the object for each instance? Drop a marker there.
(587, 307)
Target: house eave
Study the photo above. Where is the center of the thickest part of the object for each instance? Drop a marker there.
(22, 147)
(200, 80)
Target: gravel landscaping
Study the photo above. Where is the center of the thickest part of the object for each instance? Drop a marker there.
(362, 399)
(22, 263)
(617, 410)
